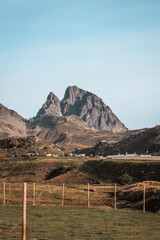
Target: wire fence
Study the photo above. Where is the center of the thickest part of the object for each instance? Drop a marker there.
(55, 194)
(89, 195)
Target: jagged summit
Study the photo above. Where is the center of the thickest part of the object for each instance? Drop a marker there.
(91, 109)
(72, 95)
(86, 105)
(51, 107)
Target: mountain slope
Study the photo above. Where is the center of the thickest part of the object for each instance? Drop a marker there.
(69, 132)
(146, 140)
(11, 123)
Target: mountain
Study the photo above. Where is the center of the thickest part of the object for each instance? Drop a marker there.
(91, 109)
(75, 121)
(85, 105)
(67, 132)
(11, 123)
(78, 121)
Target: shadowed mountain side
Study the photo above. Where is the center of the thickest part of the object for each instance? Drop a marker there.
(11, 123)
(146, 140)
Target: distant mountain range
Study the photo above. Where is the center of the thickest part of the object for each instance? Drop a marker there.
(80, 119)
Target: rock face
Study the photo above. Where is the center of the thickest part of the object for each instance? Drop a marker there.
(91, 109)
(51, 107)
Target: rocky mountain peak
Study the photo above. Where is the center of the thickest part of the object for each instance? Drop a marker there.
(72, 95)
(73, 92)
(86, 105)
(91, 109)
(52, 97)
(51, 107)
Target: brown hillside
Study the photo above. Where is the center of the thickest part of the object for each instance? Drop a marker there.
(143, 141)
(11, 123)
(132, 196)
(22, 146)
(70, 132)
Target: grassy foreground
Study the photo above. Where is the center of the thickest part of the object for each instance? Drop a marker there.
(78, 223)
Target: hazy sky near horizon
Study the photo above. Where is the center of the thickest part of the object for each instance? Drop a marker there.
(108, 47)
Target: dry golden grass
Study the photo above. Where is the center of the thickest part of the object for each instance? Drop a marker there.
(101, 196)
(51, 194)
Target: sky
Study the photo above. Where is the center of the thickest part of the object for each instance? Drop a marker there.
(108, 47)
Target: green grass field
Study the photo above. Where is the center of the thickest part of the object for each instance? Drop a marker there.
(78, 223)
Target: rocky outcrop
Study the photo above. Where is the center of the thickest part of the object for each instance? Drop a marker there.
(51, 107)
(91, 109)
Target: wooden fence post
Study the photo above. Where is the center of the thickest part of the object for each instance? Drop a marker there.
(4, 193)
(34, 194)
(144, 199)
(63, 195)
(9, 195)
(24, 211)
(88, 197)
(115, 196)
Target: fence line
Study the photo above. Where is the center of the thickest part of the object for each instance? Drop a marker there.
(40, 194)
(70, 195)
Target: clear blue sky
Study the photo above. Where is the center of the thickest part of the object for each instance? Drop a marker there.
(108, 47)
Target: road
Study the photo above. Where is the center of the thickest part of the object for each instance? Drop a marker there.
(135, 157)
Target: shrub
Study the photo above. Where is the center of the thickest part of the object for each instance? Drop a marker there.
(125, 179)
